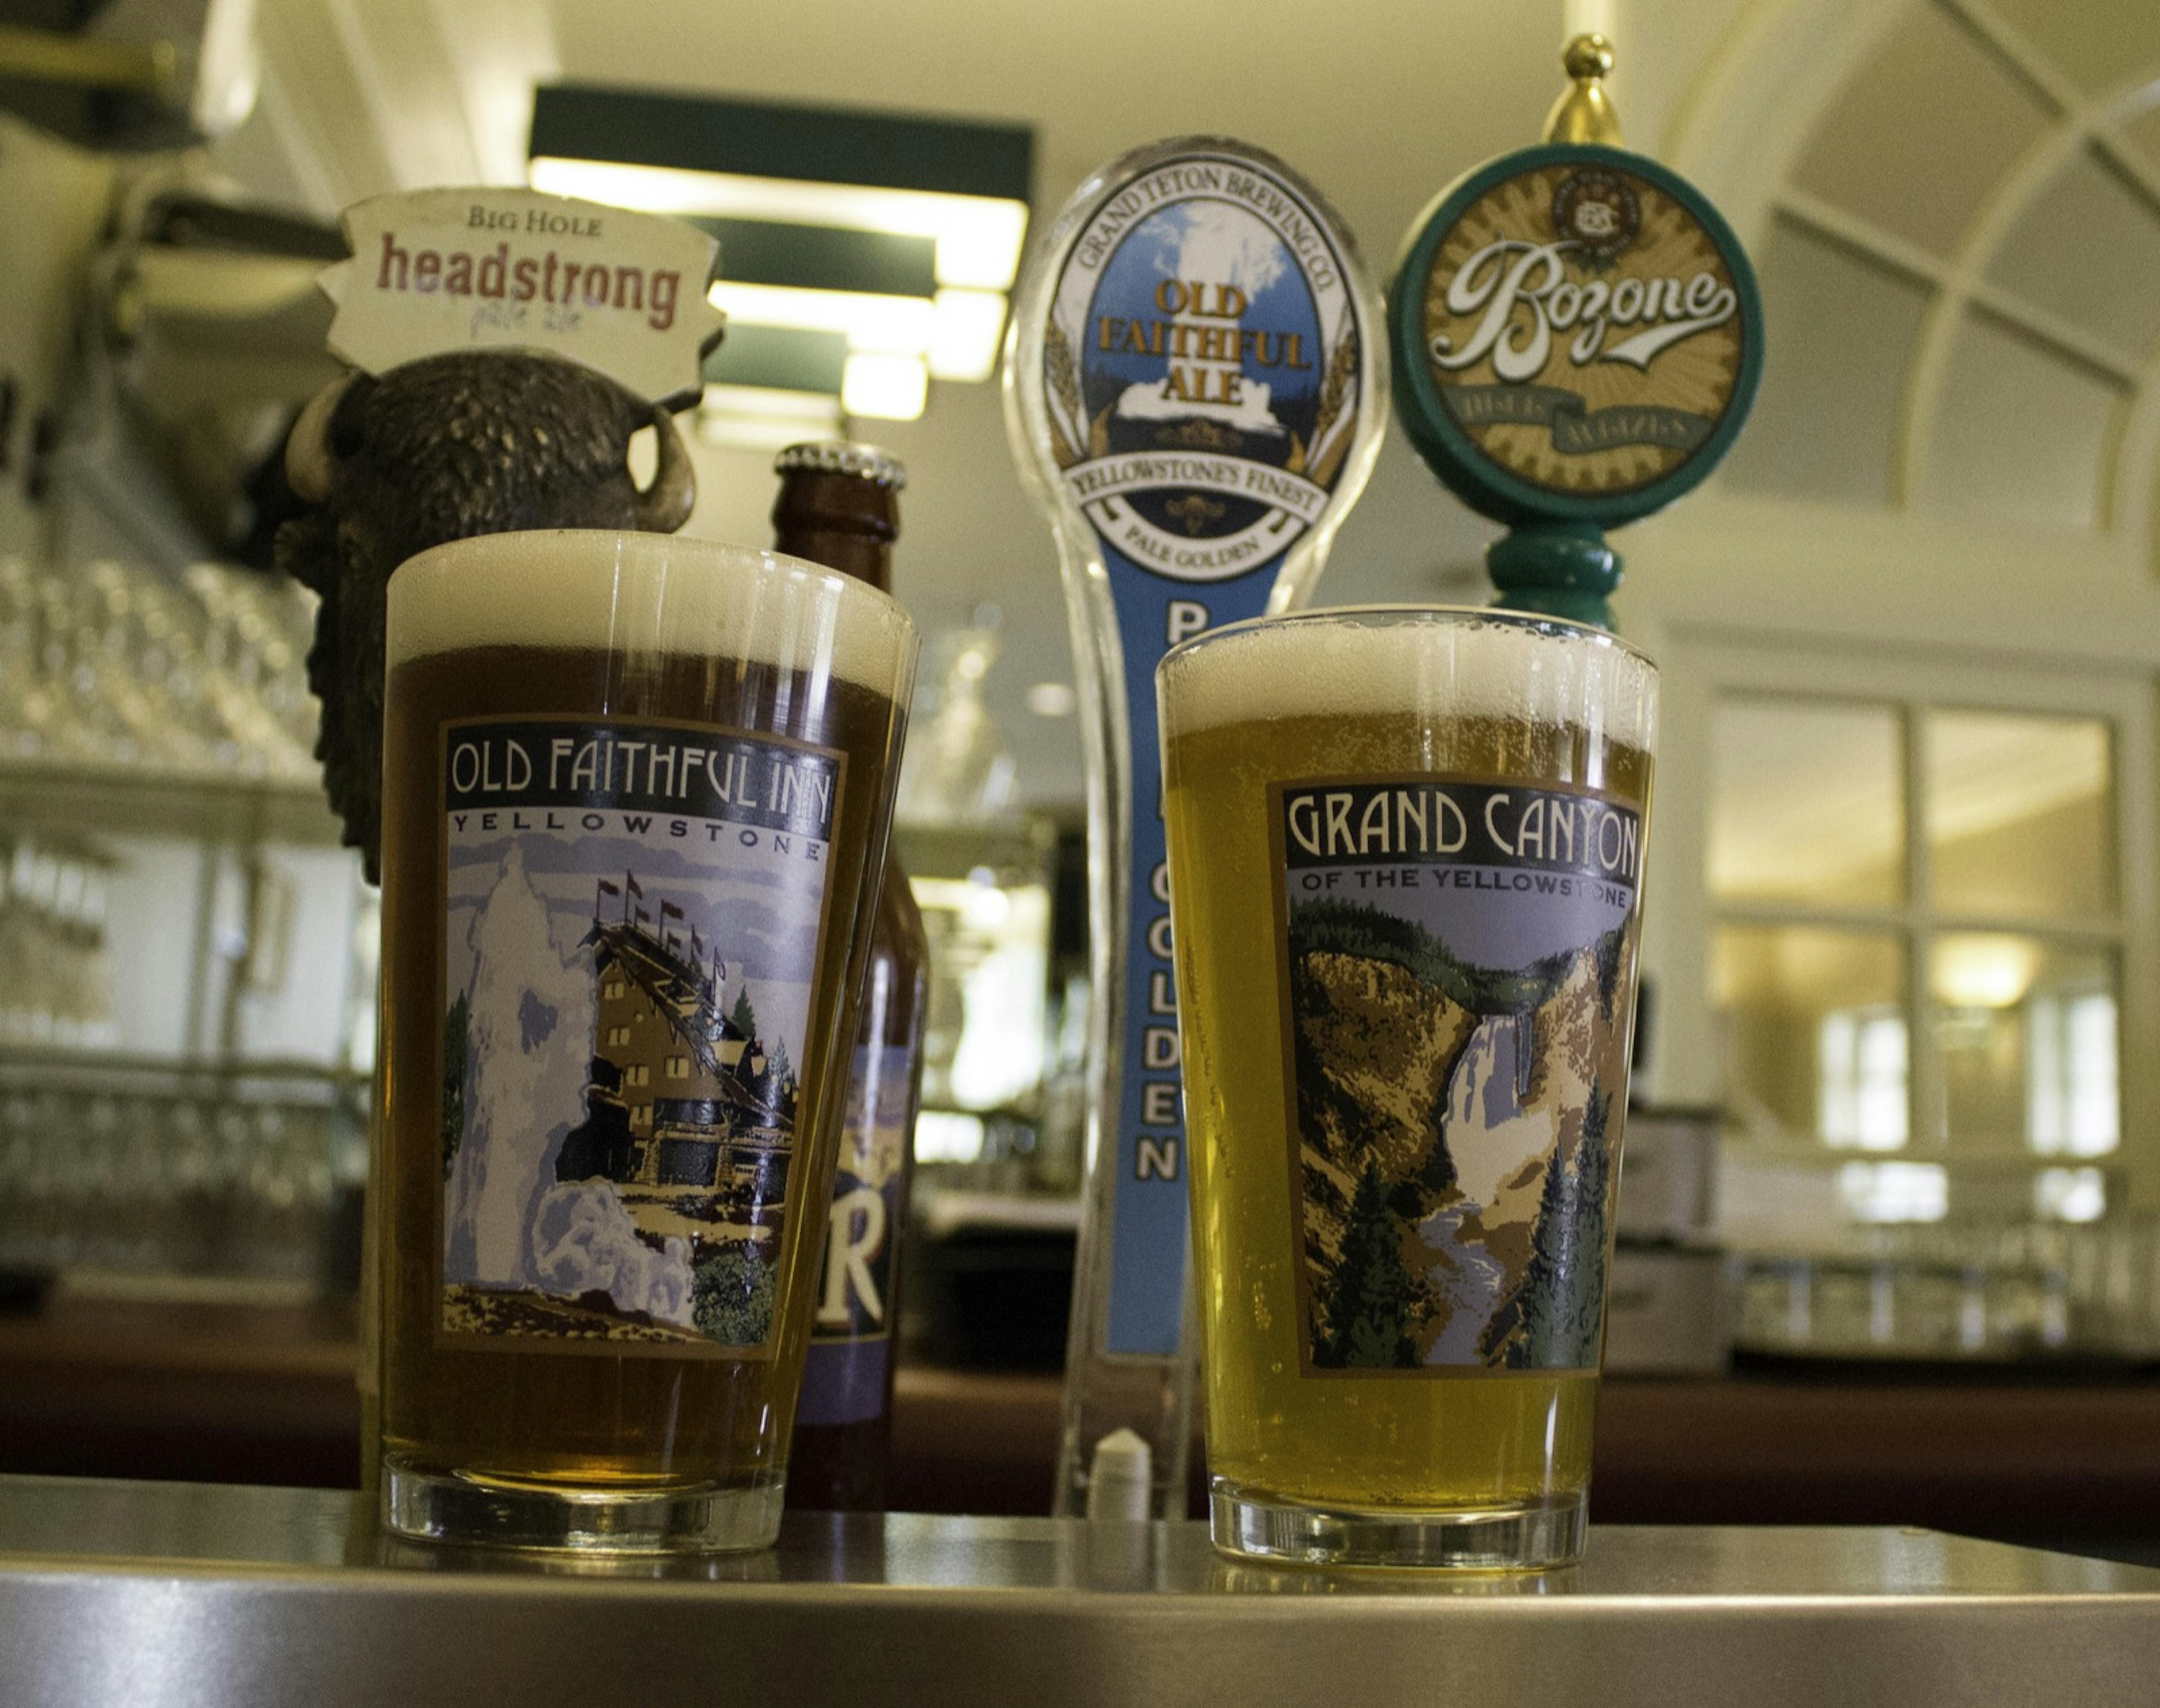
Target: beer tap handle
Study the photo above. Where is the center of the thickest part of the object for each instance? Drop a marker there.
(1196, 390)
(1578, 339)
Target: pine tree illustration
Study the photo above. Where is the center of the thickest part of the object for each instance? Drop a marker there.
(744, 1019)
(1585, 1290)
(1550, 1322)
(780, 1079)
(1370, 1306)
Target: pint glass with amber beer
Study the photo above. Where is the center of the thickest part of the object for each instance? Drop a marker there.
(635, 797)
(1406, 876)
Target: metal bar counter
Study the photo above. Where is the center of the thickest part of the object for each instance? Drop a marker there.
(175, 1594)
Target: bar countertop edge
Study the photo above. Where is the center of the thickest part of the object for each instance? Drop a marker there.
(192, 1593)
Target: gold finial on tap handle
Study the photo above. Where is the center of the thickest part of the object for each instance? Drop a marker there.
(1585, 114)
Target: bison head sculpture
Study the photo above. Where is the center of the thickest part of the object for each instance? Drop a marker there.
(435, 450)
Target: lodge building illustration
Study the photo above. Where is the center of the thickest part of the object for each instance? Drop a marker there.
(683, 1092)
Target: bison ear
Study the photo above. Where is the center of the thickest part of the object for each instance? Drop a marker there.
(328, 429)
(665, 505)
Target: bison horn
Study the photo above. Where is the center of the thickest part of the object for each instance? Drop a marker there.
(309, 466)
(665, 505)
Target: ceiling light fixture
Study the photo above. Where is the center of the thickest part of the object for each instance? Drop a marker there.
(892, 325)
(889, 387)
(966, 329)
(900, 235)
(764, 419)
(979, 242)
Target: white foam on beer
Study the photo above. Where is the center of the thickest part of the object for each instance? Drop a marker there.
(1475, 663)
(649, 594)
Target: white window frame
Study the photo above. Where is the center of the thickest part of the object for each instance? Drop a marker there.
(1700, 666)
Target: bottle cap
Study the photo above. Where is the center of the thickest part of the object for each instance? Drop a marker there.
(864, 462)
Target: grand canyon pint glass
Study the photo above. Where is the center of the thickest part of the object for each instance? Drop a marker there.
(635, 797)
(1405, 879)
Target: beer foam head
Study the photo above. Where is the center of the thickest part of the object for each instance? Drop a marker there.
(641, 593)
(1369, 660)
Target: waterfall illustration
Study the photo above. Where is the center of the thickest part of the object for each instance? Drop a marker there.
(1492, 1139)
(1491, 1131)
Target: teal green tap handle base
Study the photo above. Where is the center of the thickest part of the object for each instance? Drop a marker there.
(1555, 569)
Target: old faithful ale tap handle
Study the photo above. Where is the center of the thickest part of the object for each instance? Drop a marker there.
(1578, 339)
(1195, 390)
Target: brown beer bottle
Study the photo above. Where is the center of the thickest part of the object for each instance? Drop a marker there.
(839, 505)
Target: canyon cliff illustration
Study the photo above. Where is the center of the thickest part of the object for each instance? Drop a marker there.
(1457, 1140)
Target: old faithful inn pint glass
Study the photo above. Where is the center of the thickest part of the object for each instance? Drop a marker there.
(636, 795)
(1405, 876)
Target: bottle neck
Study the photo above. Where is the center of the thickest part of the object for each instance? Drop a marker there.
(863, 556)
(839, 519)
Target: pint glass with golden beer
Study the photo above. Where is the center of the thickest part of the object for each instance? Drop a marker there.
(1405, 871)
(635, 797)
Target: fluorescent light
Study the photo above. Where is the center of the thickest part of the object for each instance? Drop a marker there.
(762, 418)
(965, 333)
(771, 400)
(909, 268)
(1973, 970)
(978, 238)
(978, 242)
(891, 387)
(944, 1136)
(893, 325)
(1052, 699)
